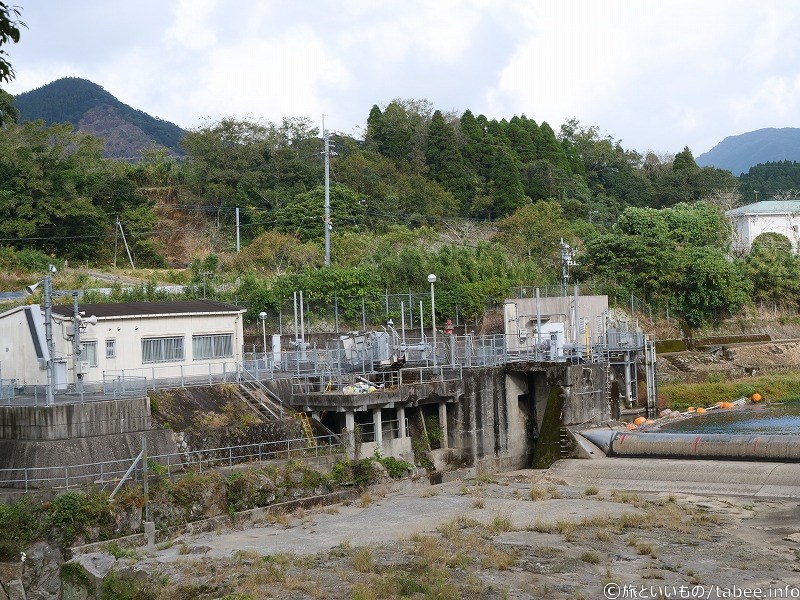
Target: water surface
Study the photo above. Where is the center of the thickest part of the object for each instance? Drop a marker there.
(783, 419)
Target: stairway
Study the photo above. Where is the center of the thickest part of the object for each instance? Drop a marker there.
(678, 362)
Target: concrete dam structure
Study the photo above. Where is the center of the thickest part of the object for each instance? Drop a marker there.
(494, 402)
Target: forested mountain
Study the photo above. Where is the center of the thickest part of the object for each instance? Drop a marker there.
(91, 109)
(737, 153)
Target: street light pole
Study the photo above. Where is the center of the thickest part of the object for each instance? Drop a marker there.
(263, 316)
(432, 280)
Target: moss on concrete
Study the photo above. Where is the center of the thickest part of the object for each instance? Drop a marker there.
(547, 449)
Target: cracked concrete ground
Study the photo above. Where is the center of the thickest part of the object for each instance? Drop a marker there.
(562, 533)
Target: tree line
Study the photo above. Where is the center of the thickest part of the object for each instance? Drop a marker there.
(483, 203)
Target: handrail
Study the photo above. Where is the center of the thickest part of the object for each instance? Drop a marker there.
(106, 472)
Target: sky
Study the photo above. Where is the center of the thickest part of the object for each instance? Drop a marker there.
(657, 75)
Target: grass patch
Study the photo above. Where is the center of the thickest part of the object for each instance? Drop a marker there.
(500, 524)
(362, 560)
(784, 387)
(593, 558)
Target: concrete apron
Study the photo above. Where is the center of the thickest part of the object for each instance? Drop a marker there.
(732, 478)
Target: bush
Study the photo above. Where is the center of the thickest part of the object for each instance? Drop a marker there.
(395, 467)
(20, 523)
(72, 512)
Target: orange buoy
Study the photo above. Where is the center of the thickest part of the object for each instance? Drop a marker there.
(630, 426)
(691, 409)
(701, 410)
(756, 397)
(650, 421)
(727, 405)
(719, 404)
(639, 420)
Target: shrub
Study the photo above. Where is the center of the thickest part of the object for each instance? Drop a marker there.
(20, 523)
(72, 512)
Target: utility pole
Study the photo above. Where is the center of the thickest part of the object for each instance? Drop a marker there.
(238, 247)
(327, 217)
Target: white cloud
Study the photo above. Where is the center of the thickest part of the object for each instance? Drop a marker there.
(657, 75)
(272, 78)
(191, 28)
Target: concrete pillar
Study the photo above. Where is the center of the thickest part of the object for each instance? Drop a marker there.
(150, 533)
(443, 421)
(350, 428)
(401, 422)
(377, 423)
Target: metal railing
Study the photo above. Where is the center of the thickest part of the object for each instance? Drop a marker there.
(185, 375)
(124, 386)
(442, 373)
(7, 389)
(106, 472)
(390, 429)
(344, 383)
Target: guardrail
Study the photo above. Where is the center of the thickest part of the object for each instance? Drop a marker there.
(106, 472)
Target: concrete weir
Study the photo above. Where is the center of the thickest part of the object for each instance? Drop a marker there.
(781, 448)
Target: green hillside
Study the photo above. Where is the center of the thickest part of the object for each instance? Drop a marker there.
(70, 99)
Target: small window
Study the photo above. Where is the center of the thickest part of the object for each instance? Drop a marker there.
(212, 346)
(111, 348)
(166, 349)
(89, 353)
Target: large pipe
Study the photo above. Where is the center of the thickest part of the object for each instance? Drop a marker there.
(693, 445)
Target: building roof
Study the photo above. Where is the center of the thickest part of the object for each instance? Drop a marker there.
(148, 309)
(779, 207)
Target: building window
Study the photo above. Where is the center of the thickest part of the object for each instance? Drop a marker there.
(89, 353)
(165, 349)
(111, 348)
(212, 346)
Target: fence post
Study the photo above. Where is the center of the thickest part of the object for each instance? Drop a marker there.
(363, 314)
(26, 479)
(101, 472)
(230, 456)
(336, 313)
(66, 477)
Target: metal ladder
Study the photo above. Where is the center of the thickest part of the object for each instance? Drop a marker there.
(307, 429)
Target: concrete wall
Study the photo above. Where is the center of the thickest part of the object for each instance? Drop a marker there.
(500, 416)
(484, 425)
(17, 355)
(63, 421)
(45, 459)
(585, 390)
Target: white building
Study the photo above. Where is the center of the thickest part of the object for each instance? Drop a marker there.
(768, 216)
(563, 321)
(148, 339)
